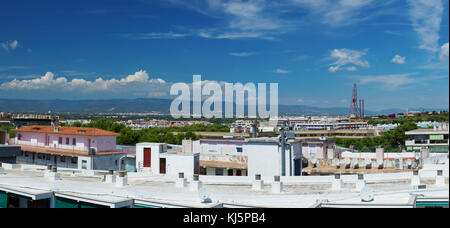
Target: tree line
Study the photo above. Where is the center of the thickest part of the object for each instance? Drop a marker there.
(156, 135)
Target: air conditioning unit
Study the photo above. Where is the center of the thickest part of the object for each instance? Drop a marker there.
(398, 163)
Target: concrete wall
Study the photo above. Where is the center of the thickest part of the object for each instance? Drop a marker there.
(264, 159)
(176, 163)
(112, 161)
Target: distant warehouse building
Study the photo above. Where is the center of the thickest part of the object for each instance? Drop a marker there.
(435, 140)
(70, 147)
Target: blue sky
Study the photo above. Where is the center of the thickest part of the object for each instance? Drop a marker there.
(396, 50)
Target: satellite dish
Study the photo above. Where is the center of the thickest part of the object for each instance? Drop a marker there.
(367, 195)
(203, 194)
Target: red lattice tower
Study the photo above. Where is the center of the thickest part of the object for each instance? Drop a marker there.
(355, 109)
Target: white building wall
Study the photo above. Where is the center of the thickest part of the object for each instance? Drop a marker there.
(176, 163)
(264, 159)
(156, 149)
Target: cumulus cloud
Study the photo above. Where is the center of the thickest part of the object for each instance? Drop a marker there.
(9, 45)
(426, 17)
(138, 82)
(348, 60)
(399, 60)
(444, 52)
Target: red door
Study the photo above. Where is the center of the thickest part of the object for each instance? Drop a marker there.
(147, 157)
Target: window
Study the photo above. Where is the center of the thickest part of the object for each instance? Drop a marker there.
(74, 160)
(60, 140)
(219, 172)
(63, 159)
(19, 136)
(67, 141)
(84, 164)
(239, 149)
(74, 141)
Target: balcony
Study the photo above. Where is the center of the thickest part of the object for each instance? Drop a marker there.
(416, 142)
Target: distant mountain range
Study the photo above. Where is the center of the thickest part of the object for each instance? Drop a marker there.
(150, 105)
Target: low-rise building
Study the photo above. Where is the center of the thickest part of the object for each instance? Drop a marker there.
(157, 159)
(70, 147)
(319, 148)
(435, 140)
(221, 157)
(266, 158)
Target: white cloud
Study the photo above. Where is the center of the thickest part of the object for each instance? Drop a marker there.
(394, 81)
(9, 45)
(281, 71)
(345, 57)
(353, 68)
(242, 54)
(444, 52)
(426, 16)
(154, 36)
(300, 100)
(399, 60)
(337, 12)
(138, 82)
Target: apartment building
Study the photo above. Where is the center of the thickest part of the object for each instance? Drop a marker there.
(435, 140)
(70, 147)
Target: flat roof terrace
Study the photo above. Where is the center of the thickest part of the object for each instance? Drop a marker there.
(298, 192)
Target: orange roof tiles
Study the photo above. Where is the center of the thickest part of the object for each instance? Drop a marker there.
(67, 130)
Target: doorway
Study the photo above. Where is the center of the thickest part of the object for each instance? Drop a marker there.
(147, 157)
(162, 166)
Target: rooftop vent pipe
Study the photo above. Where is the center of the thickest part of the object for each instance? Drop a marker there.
(277, 178)
(196, 177)
(122, 173)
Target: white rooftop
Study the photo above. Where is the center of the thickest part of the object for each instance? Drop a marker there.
(299, 192)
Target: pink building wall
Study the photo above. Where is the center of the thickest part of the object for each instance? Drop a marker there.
(100, 143)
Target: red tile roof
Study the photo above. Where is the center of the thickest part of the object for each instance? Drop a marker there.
(67, 130)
